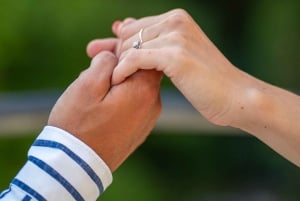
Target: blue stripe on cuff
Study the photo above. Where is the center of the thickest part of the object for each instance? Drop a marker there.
(26, 198)
(5, 192)
(75, 157)
(27, 189)
(52, 172)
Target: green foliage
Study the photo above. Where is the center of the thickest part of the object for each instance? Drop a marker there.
(274, 45)
(42, 46)
(13, 154)
(42, 43)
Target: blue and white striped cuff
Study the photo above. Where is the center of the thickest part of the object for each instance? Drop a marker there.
(61, 167)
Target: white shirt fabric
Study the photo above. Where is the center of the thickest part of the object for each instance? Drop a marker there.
(59, 167)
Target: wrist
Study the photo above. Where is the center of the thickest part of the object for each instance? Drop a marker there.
(251, 103)
(80, 148)
(225, 101)
(65, 167)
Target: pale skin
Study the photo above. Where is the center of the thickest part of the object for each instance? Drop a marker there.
(221, 92)
(112, 120)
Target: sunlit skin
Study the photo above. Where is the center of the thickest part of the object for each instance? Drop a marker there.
(221, 92)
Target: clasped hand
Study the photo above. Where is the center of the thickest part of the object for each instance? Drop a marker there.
(112, 120)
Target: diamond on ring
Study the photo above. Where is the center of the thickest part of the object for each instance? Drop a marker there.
(138, 44)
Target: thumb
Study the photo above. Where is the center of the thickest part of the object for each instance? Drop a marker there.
(98, 76)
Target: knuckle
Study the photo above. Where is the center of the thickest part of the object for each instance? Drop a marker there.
(179, 11)
(178, 38)
(177, 18)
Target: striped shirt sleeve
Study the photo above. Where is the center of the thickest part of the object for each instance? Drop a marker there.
(59, 167)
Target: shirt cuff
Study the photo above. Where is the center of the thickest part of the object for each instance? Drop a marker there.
(62, 167)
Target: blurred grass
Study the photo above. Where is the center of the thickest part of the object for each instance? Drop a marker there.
(42, 46)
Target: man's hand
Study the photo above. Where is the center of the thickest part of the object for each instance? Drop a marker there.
(112, 120)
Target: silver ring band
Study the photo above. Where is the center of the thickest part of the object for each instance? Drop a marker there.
(138, 44)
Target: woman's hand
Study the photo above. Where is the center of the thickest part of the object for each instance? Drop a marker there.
(175, 44)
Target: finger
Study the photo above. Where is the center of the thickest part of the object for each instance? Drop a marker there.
(134, 59)
(117, 24)
(99, 45)
(148, 34)
(98, 75)
(126, 31)
(171, 22)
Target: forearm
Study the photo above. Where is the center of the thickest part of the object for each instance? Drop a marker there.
(269, 113)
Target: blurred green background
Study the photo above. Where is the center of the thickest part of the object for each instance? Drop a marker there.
(42, 47)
